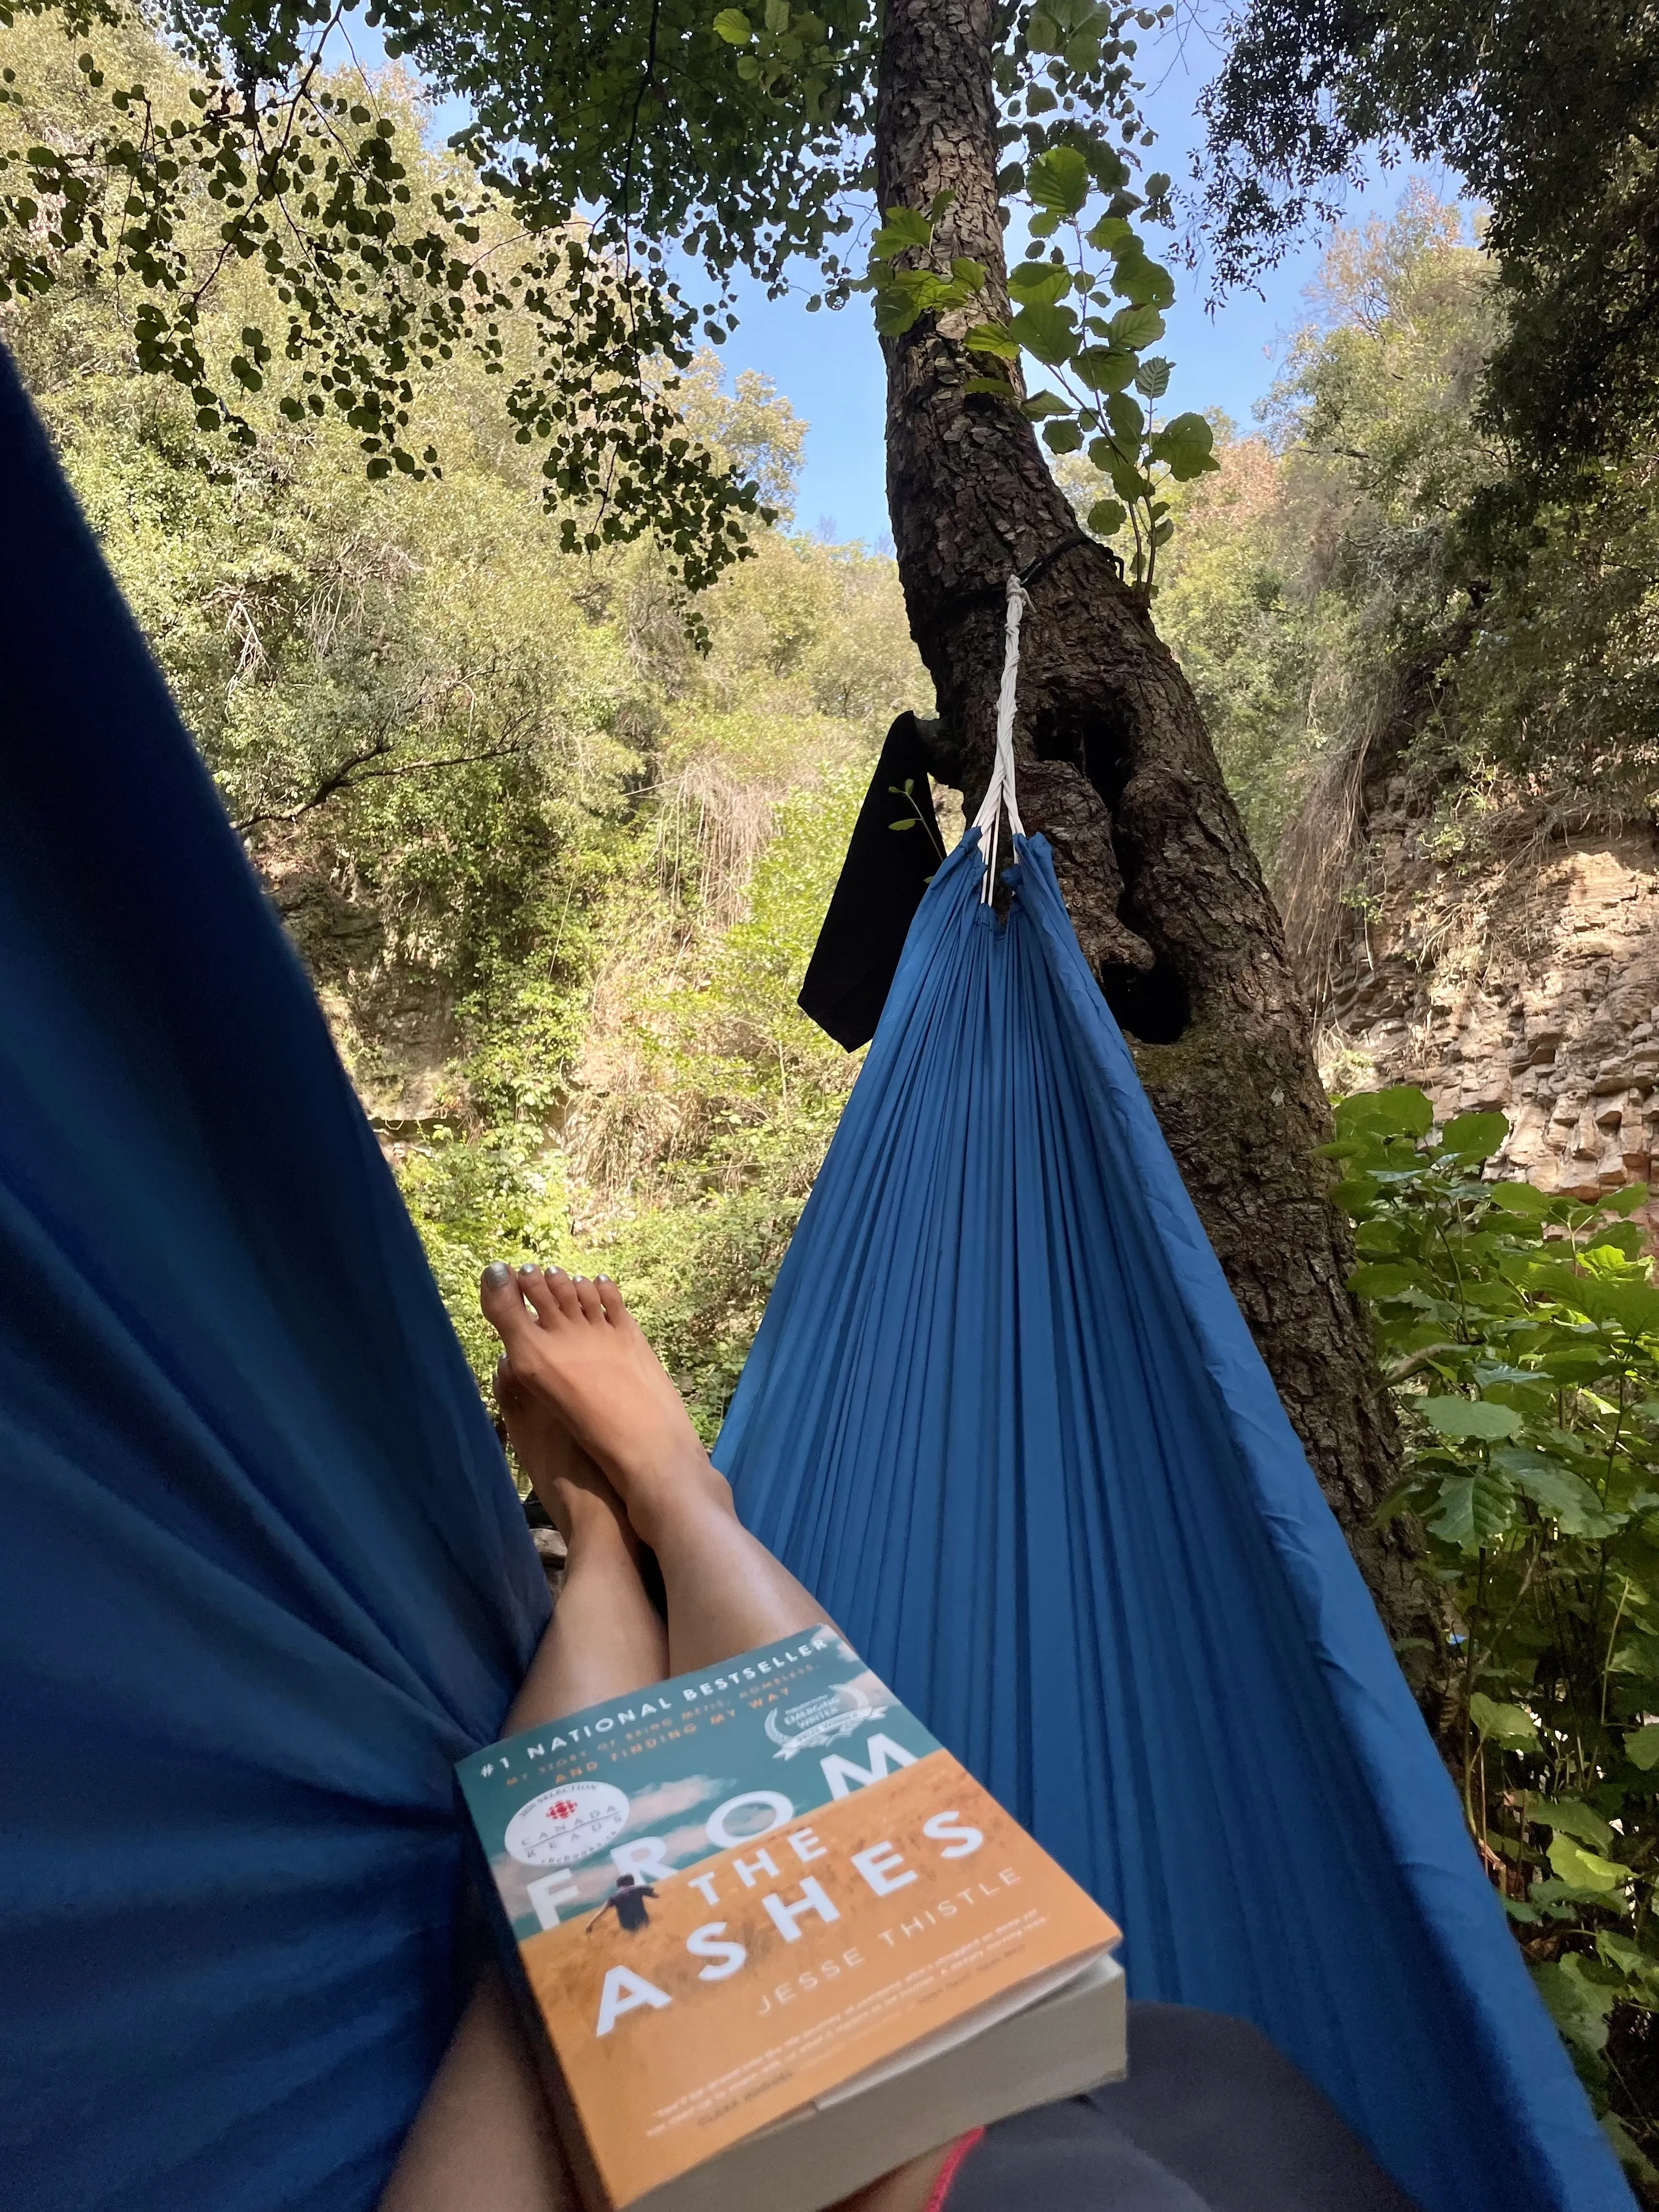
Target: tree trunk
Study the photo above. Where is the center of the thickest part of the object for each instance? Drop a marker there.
(1116, 770)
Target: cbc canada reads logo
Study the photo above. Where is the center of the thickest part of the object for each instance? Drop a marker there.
(563, 1826)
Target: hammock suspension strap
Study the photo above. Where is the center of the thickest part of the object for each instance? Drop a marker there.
(1000, 796)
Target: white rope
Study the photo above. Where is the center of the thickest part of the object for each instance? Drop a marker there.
(999, 795)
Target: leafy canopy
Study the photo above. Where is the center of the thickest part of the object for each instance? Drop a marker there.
(609, 149)
(1549, 114)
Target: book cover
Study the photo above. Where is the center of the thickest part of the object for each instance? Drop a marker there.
(733, 1893)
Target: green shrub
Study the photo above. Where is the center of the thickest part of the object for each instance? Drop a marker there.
(1520, 1332)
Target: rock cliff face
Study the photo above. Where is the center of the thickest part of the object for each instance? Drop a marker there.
(1527, 983)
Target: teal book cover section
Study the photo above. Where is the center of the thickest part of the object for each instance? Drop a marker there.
(584, 1815)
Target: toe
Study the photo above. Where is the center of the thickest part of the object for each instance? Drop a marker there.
(556, 1297)
(502, 1304)
(616, 1310)
(589, 1297)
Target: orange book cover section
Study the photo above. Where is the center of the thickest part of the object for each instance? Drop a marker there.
(734, 1891)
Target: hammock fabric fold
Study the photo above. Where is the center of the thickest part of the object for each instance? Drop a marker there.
(263, 1575)
(1004, 1418)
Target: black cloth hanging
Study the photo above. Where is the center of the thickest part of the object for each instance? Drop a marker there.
(896, 850)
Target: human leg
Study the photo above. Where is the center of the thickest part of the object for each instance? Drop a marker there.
(573, 1345)
(483, 2141)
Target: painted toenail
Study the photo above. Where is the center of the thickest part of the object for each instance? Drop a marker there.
(602, 1278)
(529, 1268)
(498, 1274)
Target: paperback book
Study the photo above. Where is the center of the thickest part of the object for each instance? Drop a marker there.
(773, 1940)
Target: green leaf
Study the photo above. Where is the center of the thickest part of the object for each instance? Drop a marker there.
(1152, 377)
(1107, 517)
(1105, 368)
(1520, 1198)
(904, 228)
(1136, 328)
(1186, 446)
(993, 338)
(1058, 180)
(1379, 1278)
(1557, 1491)
(1403, 1110)
(1585, 1869)
(1511, 1726)
(1578, 2008)
(1062, 437)
(1474, 1509)
(1468, 1417)
(1570, 1817)
(1128, 420)
(1038, 283)
(1047, 332)
(1042, 404)
(1642, 1747)
(734, 27)
(1142, 283)
(1634, 1195)
(1110, 235)
(988, 387)
(1474, 1136)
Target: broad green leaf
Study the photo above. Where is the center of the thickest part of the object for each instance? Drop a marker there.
(1353, 1193)
(1585, 1869)
(1057, 181)
(1510, 1726)
(734, 27)
(1062, 437)
(1136, 328)
(1377, 1239)
(1568, 1816)
(1577, 2006)
(1142, 282)
(1557, 1490)
(1186, 446)
(1402, 1110)
(1468, 1417)
(1474, 1136)
(993, 338)
(903, 227)
(1626, 1200)
(1382, 1278)
(1128, 420)
(1110, 235)
(1107, 517)
(1105, 368)
(1472, 1510)
(988, 387)
(1152, 377)
(1642, 1747)
(1520, 1198)
(1049, 333)
(1042, 404)
(1038, 283)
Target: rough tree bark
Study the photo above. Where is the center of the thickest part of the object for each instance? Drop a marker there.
(1116, 770)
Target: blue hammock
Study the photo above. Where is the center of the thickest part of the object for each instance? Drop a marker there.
(262, 1577)
(1004, 1418)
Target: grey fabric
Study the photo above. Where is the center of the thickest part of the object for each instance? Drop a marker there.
(1211, 2119)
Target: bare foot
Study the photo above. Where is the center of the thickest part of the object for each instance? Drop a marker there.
(574, 1346)
(576, 1495)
